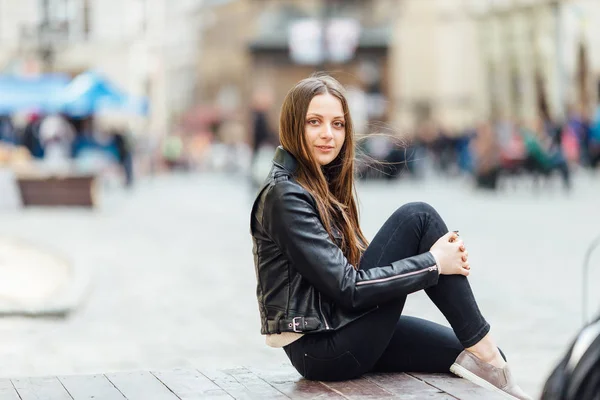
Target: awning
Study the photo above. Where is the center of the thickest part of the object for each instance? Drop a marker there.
(89, 93)
(29, 93)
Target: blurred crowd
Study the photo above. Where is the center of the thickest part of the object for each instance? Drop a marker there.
(489, 152)
(61, 144)
(236, 142)
(493, 150)
(237, 136)
(507, 147)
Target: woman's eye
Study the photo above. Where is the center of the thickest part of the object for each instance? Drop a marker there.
(338, 124)
(313, 122)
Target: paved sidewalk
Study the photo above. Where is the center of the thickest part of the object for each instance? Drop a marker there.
(173, 284)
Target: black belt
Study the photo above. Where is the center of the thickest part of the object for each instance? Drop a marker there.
(296, 324)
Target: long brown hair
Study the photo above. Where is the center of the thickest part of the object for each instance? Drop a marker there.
(331, 186)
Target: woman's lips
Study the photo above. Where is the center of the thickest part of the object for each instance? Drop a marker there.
(325, 149)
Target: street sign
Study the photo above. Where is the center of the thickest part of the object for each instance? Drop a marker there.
(342, 39)
(308, 46)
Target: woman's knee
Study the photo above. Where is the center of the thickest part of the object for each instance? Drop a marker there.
(416, 208)
(428, 224)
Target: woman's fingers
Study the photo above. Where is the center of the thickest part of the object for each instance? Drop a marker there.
(460, 244)
(465, 256)
(452, 236)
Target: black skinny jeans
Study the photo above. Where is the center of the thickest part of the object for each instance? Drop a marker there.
(383, 341)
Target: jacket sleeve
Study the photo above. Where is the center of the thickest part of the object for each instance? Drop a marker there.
(292, 222)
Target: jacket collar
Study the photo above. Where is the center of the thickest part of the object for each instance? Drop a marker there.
(285, 159)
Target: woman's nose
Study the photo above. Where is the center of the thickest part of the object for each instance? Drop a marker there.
(327, 132)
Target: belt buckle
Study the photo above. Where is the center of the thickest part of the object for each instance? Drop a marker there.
(295, 324)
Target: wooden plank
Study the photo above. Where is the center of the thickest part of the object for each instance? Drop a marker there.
(7, 390)
(407, 387)
(458, 387)
(289, 382)
(242, 384)
(227, 383)
(96, 387)
(190, 384)
(48, 388)
(140, 386)
(358, 389)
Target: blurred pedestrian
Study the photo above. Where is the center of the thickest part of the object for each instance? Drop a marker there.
(173, 152)
(332, 300)
(262, 136)
(31, 135)
(8, 133)
(57, 136)
(544, 151)
(594, 140)
(487, 157)
(122, 142)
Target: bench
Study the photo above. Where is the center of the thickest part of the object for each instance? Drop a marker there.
(274, 382)
(53, 190)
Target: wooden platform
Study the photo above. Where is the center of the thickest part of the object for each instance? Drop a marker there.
(276, 382)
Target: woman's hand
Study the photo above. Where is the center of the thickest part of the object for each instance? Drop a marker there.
(451, 256)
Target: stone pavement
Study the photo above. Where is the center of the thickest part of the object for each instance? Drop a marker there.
(173, 285)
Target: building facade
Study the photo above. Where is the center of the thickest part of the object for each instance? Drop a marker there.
(422, 56)
(453, 61)
(538, 57)
(247, 45)
(435, 68)
(147, 47)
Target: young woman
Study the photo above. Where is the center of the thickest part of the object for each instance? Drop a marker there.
(332, 300)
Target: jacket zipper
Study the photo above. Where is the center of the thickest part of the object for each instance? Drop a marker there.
(322, 313)
(391, 278)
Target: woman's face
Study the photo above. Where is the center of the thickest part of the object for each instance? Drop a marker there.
(325, 128)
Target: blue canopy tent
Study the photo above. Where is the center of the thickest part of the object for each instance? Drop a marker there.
(29, 93)
(89, 93)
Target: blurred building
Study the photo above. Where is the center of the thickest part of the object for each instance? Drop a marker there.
(461, 61)
(249, 44)
(405, 61)
(537, 56)
(435, 62)
(147, 47)
(414, 60)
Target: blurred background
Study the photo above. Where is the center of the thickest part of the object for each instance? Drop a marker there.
(133, 136)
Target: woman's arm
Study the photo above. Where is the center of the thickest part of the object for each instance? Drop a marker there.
(291, 220)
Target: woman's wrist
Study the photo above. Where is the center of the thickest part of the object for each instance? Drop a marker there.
(437, 263)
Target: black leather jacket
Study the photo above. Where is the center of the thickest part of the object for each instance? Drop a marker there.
(304, 282)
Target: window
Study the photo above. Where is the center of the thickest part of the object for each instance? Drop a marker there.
(86, 19)
(138, 16)
(65, 19)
